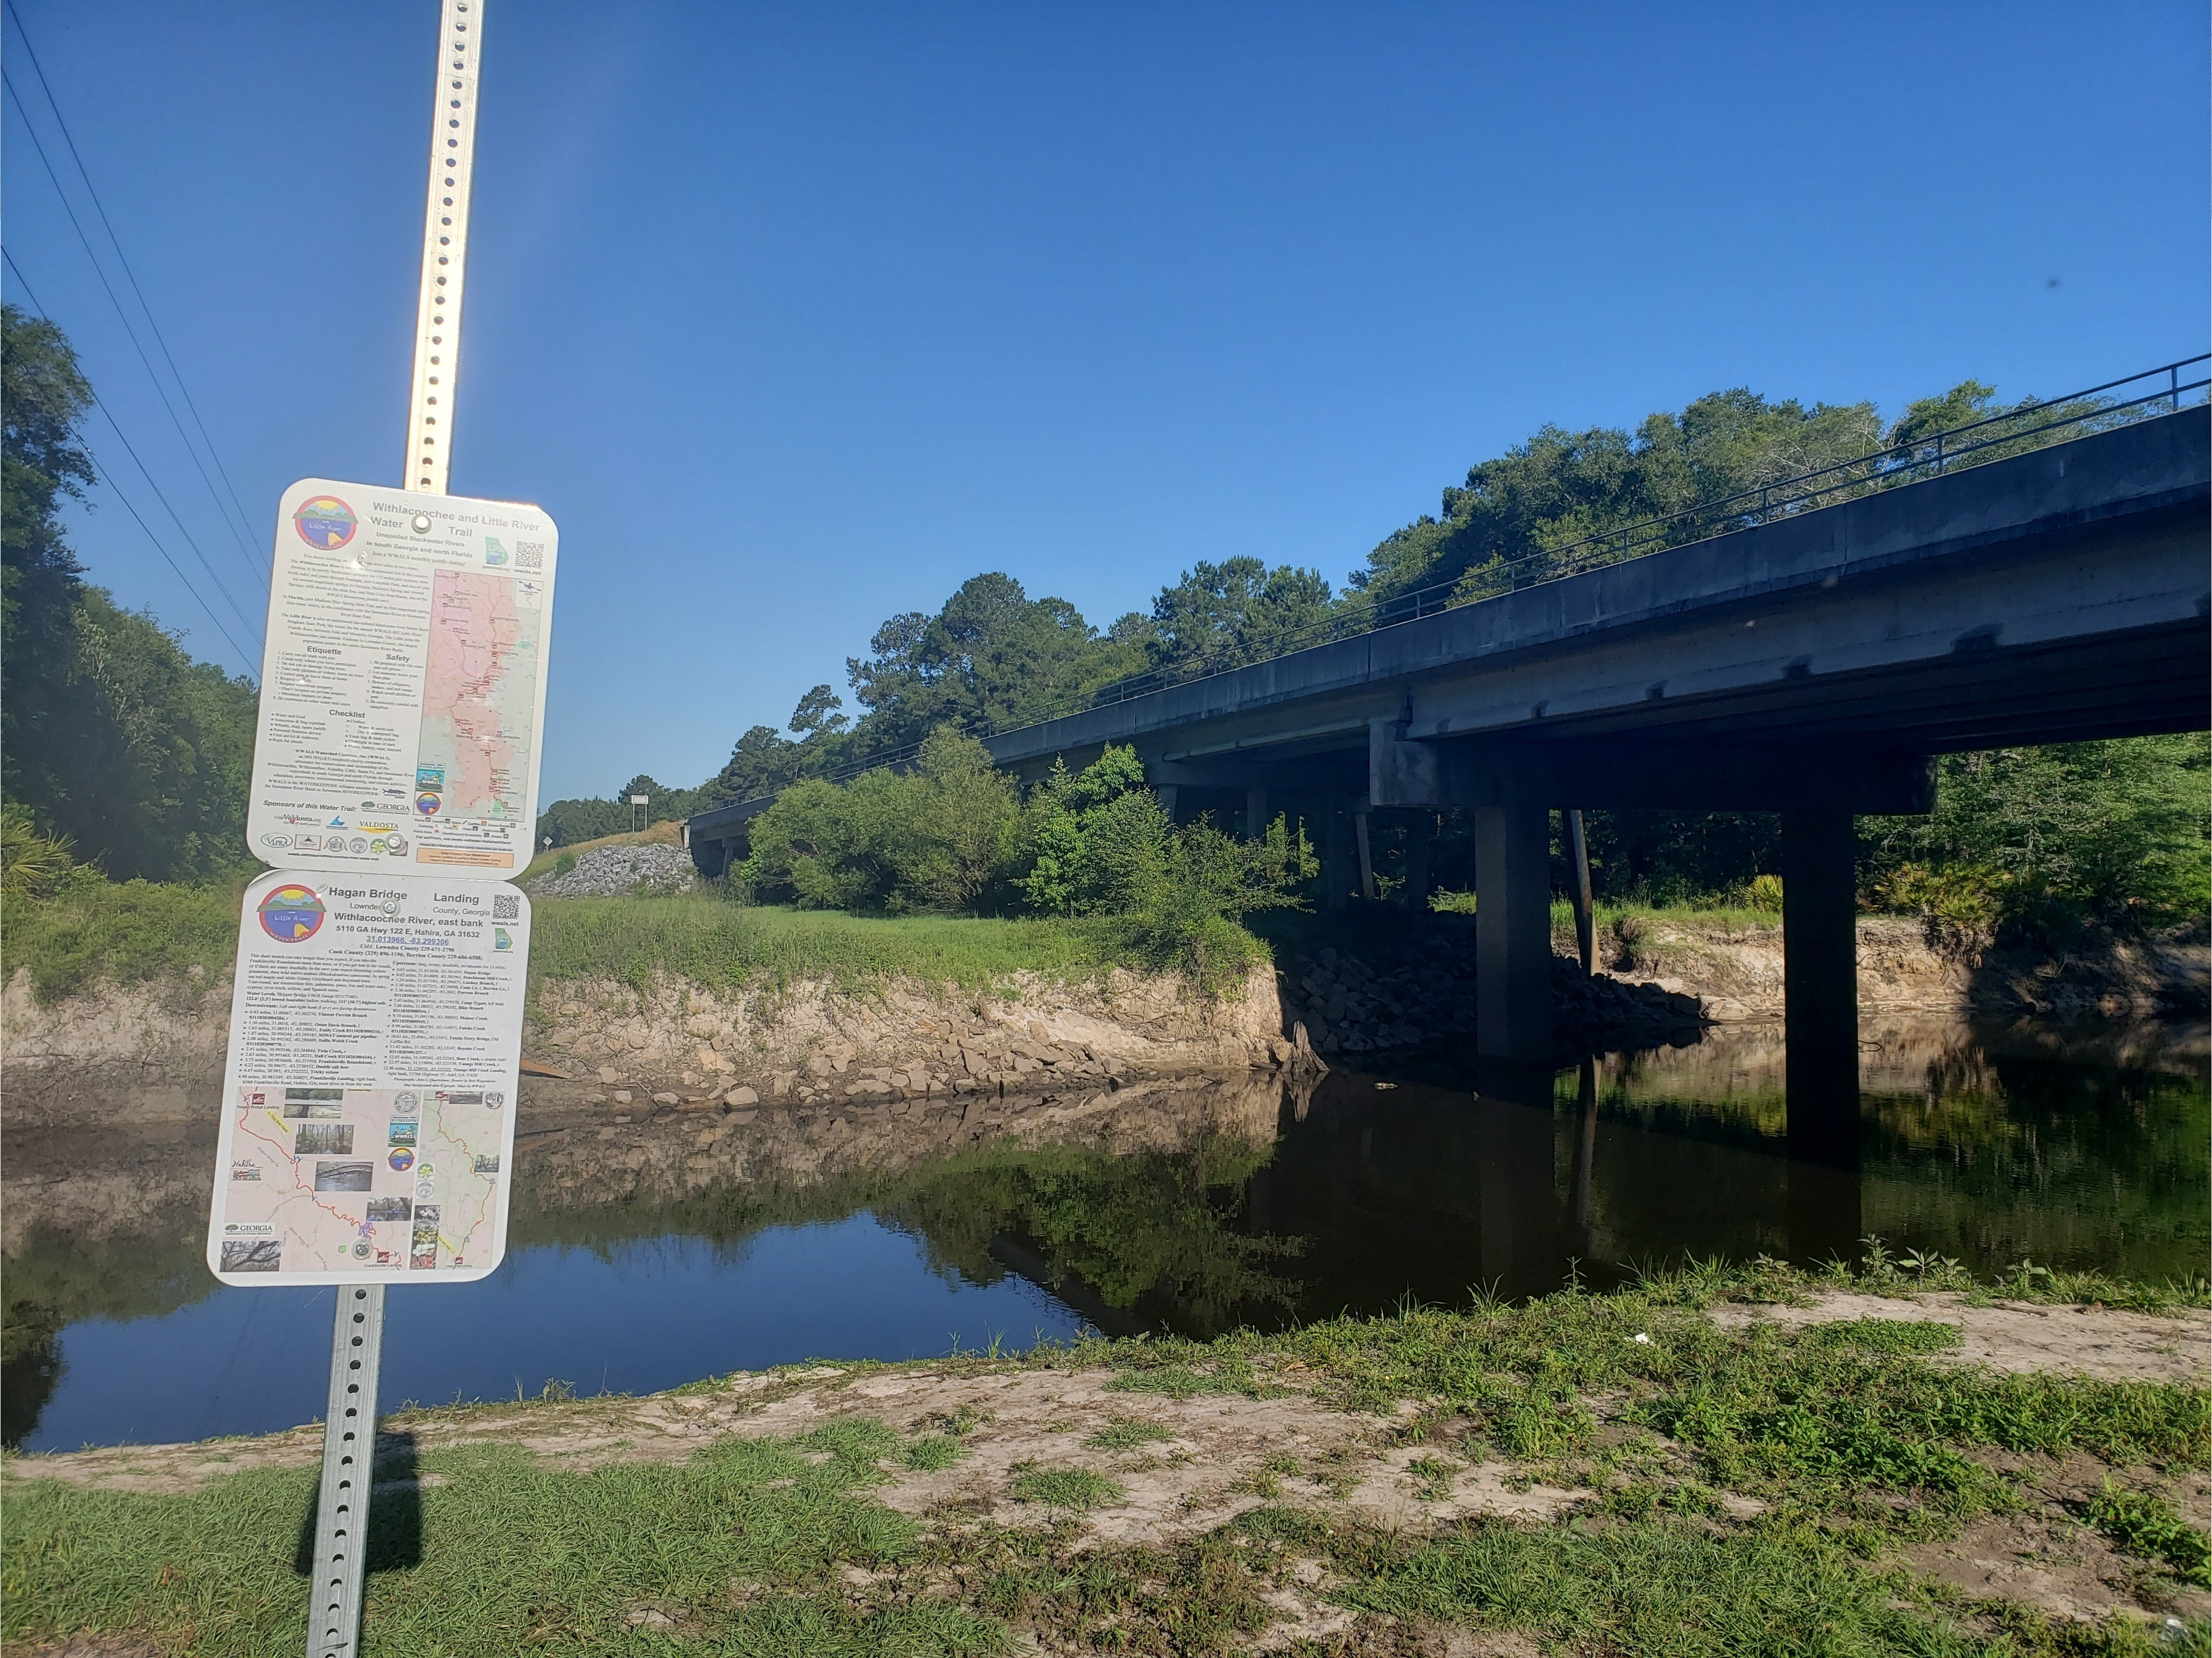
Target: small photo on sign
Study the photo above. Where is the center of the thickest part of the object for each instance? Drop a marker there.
(390, 1208)
(318, 1109)
(323, 1140)
(401, 1134)
(487, 1162)
(252, 1255)
(343, 1176)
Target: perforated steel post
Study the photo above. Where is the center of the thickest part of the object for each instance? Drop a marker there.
(445, 248)
(349, 1474)
(357, 1339)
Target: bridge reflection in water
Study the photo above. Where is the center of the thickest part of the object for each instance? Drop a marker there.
(648, 1253)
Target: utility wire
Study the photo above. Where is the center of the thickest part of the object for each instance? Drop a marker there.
(108, 477)
(221, 586)
(245, 520)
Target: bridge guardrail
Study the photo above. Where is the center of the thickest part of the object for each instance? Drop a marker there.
(1995, 437)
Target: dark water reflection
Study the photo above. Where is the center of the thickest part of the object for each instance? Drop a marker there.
(652, 1252)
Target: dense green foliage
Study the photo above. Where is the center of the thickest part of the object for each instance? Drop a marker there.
(2043, 840)
(92, 930)
(935, 838)
(112, 736)
(2111, 834)
(950, 834)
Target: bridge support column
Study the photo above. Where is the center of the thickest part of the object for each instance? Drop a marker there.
(1512, 932)
(1255, 814)
(1420, 840)
(1820, 979)
(1335, 861)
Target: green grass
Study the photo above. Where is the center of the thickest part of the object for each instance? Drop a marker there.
(127, 932)
(1075, 1489)
(142, 932)
(2145, 1524)
(933, 1453)
(505, 1556)
(1886, 1335)
(1858, 1439)
(722, 946)
(1126, 1434)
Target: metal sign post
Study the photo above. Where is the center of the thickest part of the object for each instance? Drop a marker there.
(357, 1338)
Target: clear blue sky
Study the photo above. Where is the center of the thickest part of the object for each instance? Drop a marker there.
(797, 315)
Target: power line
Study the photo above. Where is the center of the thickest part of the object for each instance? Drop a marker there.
(244, 656)
(245, 520)
(181, 527)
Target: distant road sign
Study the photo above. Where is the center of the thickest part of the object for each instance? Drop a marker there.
(369, 1102)
(402, 687)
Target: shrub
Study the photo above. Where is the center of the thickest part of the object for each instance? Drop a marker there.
(32, 864)
(934, 840)
(1096, 842)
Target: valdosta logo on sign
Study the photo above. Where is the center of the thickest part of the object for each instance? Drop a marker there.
(291, 914)
(325, 521)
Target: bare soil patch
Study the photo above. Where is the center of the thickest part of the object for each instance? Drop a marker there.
(2046, 1556)
(2021, 1336)
(1216, 1455)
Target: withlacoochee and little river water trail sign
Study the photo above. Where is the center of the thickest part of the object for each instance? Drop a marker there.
(403, 685)
(367, 1130)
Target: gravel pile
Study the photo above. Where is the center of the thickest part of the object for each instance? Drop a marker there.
(1425, 992)
(622, 872)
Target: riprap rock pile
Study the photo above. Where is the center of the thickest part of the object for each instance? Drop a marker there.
(1423, 991)
(621, 872)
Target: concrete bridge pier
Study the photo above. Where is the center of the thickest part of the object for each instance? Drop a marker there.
(1513, 932)
(1820, 980)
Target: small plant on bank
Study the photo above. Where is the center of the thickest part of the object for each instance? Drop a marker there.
(2143, 1524)
(1066, 1488)
(933, 1453)
(1126, 1434)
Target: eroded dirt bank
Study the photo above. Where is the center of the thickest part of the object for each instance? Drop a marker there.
(1907, 966)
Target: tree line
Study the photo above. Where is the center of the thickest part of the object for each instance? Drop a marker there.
(2112, 833)
(116, 748)
(124, 757)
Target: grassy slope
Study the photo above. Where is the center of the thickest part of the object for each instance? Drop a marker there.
(1856, 1443)
(719, 945)
(137, 932)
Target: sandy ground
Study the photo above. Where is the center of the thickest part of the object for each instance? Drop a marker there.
(1217, 1455)
(2023, 1336)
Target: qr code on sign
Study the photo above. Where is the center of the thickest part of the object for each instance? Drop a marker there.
(506, 907)
(529, 555)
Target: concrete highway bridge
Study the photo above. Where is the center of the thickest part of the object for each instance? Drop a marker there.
(1811, 666)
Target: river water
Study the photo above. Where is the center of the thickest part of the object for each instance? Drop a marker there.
(654, 1252)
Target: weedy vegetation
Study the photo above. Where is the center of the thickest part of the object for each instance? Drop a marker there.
(1750, 1491)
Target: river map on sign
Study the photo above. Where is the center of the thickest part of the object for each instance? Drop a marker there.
(326, 1180)
(480, 692)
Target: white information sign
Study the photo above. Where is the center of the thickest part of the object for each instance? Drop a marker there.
(402, 682)
(369, 1102)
